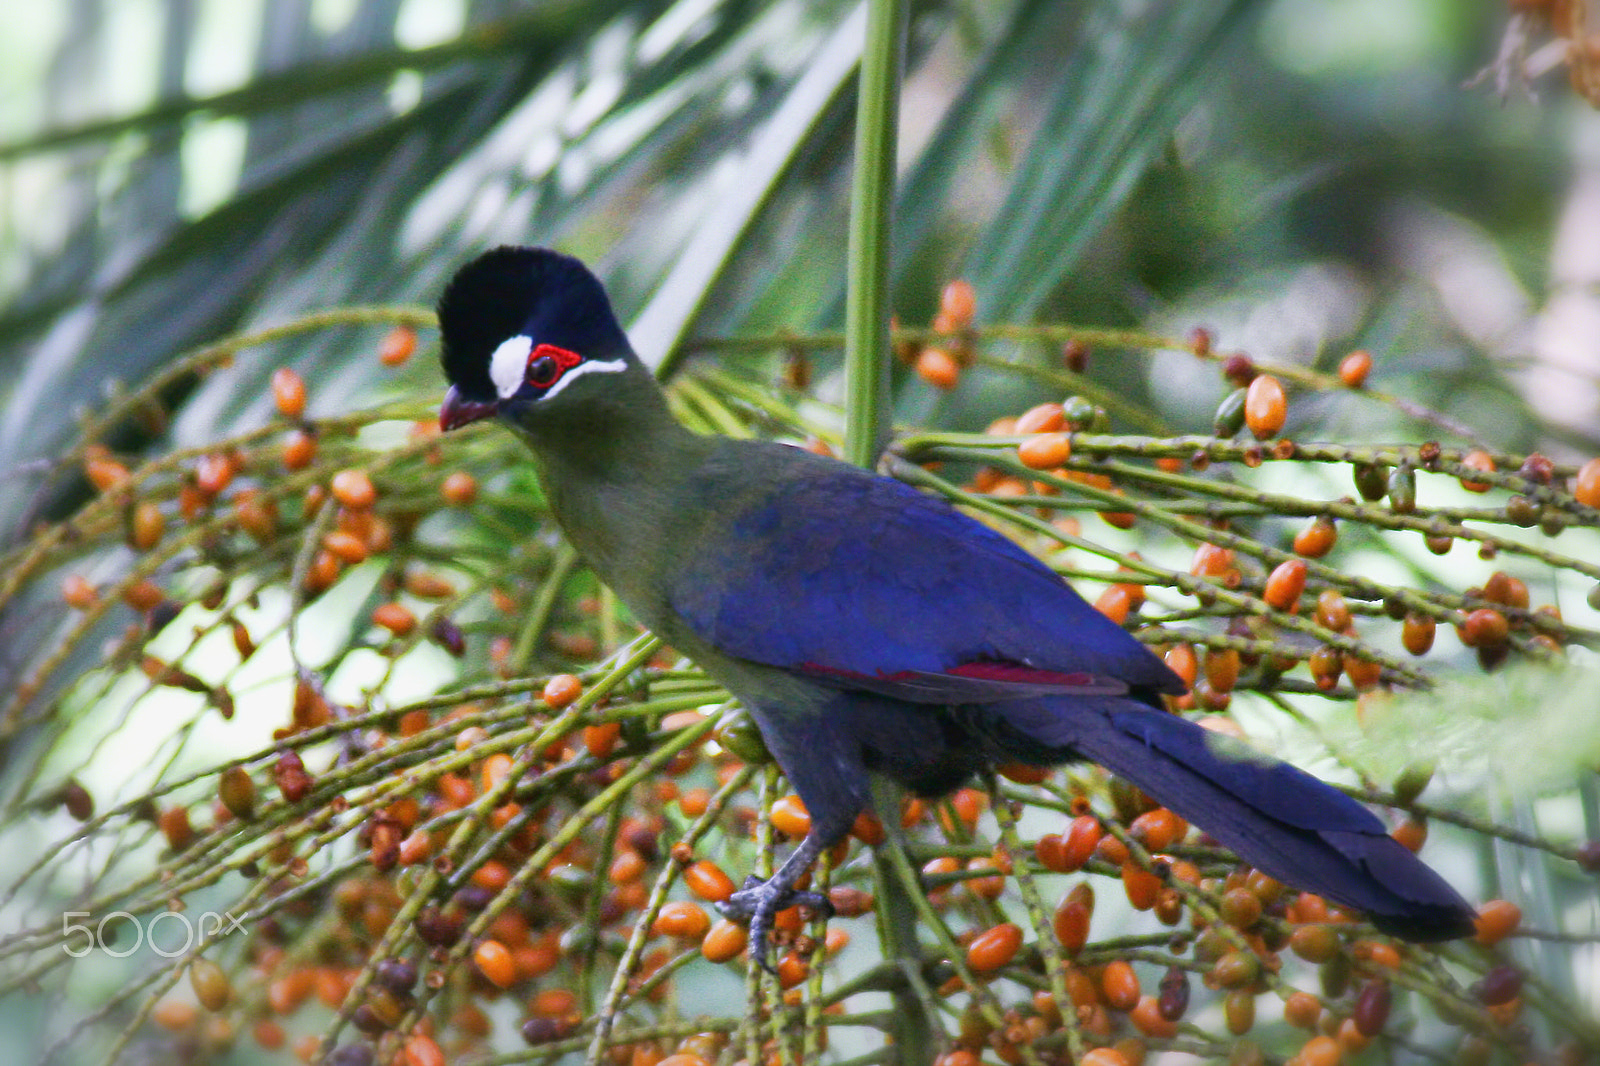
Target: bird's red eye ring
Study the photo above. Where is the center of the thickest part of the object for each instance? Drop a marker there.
(547, 363)
(543, 371)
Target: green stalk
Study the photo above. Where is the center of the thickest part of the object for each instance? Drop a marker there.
(872, 196)
(866, 360)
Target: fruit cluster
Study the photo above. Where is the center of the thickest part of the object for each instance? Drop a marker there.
(523, 855)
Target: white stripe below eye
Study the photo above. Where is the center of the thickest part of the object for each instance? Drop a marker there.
(509, 363)
(590, 367)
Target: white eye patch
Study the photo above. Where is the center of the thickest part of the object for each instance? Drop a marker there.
(508, 363)
(591, 367)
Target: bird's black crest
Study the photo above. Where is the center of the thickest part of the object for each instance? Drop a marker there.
(509, 290)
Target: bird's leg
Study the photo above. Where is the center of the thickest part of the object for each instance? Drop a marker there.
(758, 902)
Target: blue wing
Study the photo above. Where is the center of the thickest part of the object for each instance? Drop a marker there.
(828, 570)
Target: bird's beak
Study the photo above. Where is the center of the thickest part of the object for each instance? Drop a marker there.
(458, 411)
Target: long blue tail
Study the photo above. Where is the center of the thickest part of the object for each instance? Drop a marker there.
(1276, 817)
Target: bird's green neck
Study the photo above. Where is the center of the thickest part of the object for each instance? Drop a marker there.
(614, 469)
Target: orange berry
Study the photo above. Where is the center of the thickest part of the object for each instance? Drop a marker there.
(1321, 1051)
(1236, 969)
(346, 547)
(724, 941)
(694, 801)
(1503, 588)
(1417, 633)
(428, 586)
(1497, 919)
(994, 948)
(985, 887)
(1043, 418)
(492, 875)
(683, 1059)
(144, 595)
(422, 1050)
(78, 592)
(353, 489)
(1103, 1056)
(868, 829)
(789, 817)
(683, 920)
(1119, 985)
(1146, 1017)
(1285, 584)
(1044, 451)
(1316, 539)
(1239, 1012)
(601, 739)
(1376, 953)
(561, 690)
(1587, 486)
(1142, 887)
(146, 525)
(627, 867)
(1485, 628)
(1364, 674)
(1265, 407)
(1302, 1009)
(299, 450)
(1082, 839)
(395, 617)
(175, 827)
(1333, 610)
(495, 962)
(1180, 659)
(1071, 921)
(792, 970)
(1222, 669)
(1158, 830)
(288, 392)
(496, 767)
(706, 880)
(104, 472)
(213, 473)
(959, 302)
(1354, 368)
(1480, 461)
(459, 489)
(938, 368)
(1022, 773)
(1211, 561)
(1115, 603)
(398, 346)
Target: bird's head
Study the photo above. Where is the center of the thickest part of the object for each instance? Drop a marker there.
(526, 332)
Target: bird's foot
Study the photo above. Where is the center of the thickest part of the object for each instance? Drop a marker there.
(758, 904)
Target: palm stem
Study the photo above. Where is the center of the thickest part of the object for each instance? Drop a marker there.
(872, 196)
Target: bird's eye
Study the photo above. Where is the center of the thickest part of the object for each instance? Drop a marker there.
(543, 371)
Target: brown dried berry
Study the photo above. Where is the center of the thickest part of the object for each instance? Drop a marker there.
(237, 790)
(1239, 369)
(1417, 633)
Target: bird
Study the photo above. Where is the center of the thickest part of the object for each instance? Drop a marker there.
(869, 628)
